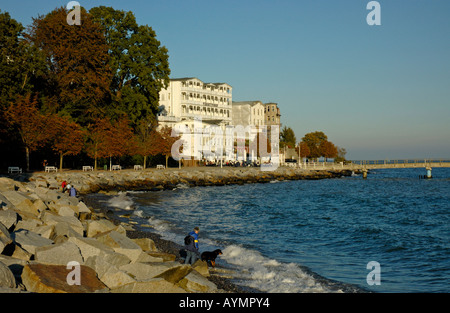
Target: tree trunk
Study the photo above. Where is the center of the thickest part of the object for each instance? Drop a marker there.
(145, 161)
(167, 160)
(27, 156)
(60, 162)
(95, 162)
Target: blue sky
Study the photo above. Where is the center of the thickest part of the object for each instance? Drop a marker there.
(382, 92)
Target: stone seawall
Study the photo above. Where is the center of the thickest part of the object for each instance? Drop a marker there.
(154, 180)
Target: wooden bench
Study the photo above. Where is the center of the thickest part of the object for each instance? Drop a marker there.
(14, 169)
(138, 167)
(51, 169)
(116, 168)
(160, 167)
(87, 168)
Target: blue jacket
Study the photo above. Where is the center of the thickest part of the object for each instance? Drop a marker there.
(193, 246)
(72, 192)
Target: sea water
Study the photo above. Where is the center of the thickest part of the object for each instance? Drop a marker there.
(316, 235)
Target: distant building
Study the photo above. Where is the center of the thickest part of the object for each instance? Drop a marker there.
(248, 113)
(189, 103)
(272, 114)
(189, 98)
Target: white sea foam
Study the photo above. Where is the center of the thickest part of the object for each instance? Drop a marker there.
(268, 275)
(121, 201)
(251, 268)
(160, 226)
(138, 213)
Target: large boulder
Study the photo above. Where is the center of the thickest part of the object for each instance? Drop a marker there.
(201, 267)
(22, 202)
(90, 247)
(5, 238)
(175, 273)
(6, 277)
(102, 262)
(146, 244)
(60, 254)
(52, 219)
(195, 282)
(8, 218)
(121, 244)
(43, 278)
(154, 285)
(113, 277)
(144, 271)
(29, 240)
(95, 227)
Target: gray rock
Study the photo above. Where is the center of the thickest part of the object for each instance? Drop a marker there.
(29, 240)
(8, 218)
(59, 254)
(6, 277)
(5, 238)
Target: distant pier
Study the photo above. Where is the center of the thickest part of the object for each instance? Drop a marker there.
(363, 166)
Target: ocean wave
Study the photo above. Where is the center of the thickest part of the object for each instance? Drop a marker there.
(121, 201)
(269, 275)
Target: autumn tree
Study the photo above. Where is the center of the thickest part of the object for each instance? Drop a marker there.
(313, 140)
(168, 141)
(328, 150)
(21, 70)
(139, 63)
(108, 138)
(96, 137)
(24, 116)
(68, 137)
(149, 141)
(78, 61)
(304, 150)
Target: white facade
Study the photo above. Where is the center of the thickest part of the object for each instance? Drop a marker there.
(188, 98)
(205, 109)
(248, 113)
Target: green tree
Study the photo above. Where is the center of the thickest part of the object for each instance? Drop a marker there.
(287, 138)
(139, 63)
(21, 63)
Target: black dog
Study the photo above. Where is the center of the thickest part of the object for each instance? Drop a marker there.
(210, 257)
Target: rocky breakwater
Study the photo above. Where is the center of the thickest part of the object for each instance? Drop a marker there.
(50, 242)
(154, 180)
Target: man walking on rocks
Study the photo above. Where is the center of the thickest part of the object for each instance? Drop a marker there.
(191, 246)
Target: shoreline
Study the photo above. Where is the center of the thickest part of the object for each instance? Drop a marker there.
(46, 229)
(166, 246)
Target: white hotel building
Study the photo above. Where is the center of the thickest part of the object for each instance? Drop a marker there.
(187, 100)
